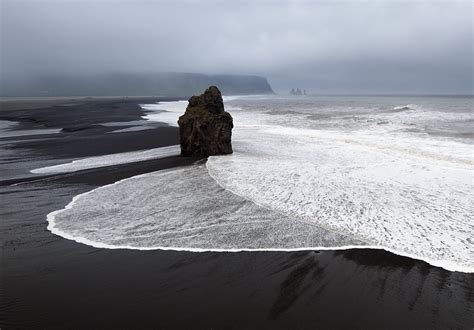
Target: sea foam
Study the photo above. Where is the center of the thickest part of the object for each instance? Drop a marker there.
(182, 209)
(109, 160)
(289, 186)
(415, 203)
(185, 209)
(165, 112)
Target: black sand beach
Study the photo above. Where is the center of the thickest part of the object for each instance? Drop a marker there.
(50, 282)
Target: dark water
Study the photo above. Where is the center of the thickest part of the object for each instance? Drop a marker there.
(51, 282)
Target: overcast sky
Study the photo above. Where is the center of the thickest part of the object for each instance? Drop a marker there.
(322, 46)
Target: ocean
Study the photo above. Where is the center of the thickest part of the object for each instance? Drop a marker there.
(307, 173)
(315, 192)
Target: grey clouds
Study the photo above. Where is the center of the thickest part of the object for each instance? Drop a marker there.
(322, 46)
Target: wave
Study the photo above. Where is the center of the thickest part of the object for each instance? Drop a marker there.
(165, 112)
(292, 188)
(229, 98)
(405, 107)
(405, 199)
(181, 208)
(109, 160)
(169, 112)
(186, 210)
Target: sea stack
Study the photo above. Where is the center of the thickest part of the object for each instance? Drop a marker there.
(205, 129)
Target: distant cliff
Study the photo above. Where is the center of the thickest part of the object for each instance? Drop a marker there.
(124, 84)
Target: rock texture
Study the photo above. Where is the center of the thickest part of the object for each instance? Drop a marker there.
(206, 128)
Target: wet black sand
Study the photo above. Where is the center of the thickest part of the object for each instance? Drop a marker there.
(82, 135)
(51, 282)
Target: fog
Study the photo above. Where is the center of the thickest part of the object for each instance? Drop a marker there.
(323, 47)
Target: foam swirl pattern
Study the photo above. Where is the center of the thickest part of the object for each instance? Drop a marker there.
(414, 205)
(182, 209)
(305, 174)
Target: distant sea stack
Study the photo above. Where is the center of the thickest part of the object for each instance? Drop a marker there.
(297, 91)
(205, 129)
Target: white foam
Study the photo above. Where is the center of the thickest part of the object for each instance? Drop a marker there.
(108, 160)
(165, 112)
(7, 124)
(124, 123)
(229, 98)
(289, 186)
(132, 129)
(405, 107)
(185, 210)
(169, 112)
(181, 209)
(413, 202)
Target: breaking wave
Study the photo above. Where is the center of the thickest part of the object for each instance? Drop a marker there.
(405, 107)
(185, 209)
(182, 209)
(409, 201)
(294, 188)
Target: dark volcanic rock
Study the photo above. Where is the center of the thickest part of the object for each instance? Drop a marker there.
(206, 128)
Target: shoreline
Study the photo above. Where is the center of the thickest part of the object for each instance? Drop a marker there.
(47, 279)
(84, 132)
(447, 266)
(28, 103)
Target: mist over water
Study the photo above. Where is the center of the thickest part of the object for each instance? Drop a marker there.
(323, 47)
(349, 206)
(320, 172)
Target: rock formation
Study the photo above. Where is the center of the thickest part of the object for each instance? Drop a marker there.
(205, 129)
(296, 91)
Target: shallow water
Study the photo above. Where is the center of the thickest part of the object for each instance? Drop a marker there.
(51, 282)
(368, 169)
(109, 160)
(7, 130)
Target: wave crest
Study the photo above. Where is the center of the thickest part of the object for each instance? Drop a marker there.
(405, 107)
